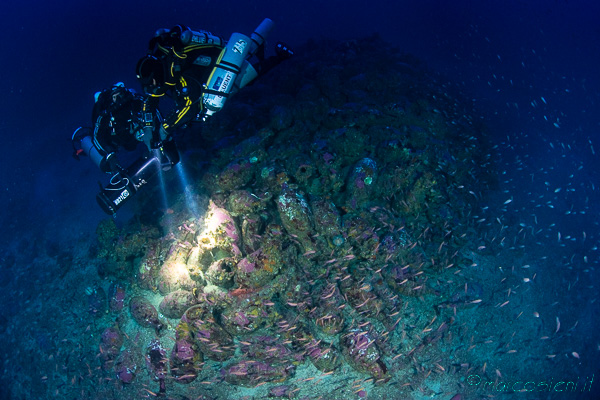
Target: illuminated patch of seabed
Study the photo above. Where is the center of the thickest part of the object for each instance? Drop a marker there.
(190, 200)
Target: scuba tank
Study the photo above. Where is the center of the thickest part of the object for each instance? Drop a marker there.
(230, 64)
(191, 38)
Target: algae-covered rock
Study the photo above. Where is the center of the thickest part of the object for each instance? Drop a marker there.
(157, 362)
(126, 366)
(252, 229)
(209, 336)
(235, 175)
(251, 373)
(329, 220)
(362, 354)
(186, 358)
(242, 202)
(220, 273)
(116, 293)
(173, 274)
(107, 234)
(174, 304)
(295, 215)
(259, 268)
(144, 313)
(110, 346)
(324, 357)
(361, 182)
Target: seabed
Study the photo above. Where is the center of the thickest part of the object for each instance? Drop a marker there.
(339, 235)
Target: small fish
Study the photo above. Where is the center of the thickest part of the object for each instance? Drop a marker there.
(150, 392)
(185, 377)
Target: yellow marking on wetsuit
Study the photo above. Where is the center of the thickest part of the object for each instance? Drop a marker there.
(180, 56)
(163, 49)
(188, 103)
(171, 70)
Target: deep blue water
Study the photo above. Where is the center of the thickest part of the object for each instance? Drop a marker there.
(530, 67)
(56, 55)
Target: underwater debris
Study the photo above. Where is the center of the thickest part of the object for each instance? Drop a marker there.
(116, 293)
(325, 238)
(144, 313)
(126, 366)
(156, 362)
(174, 304)
(214, 342)
(110, 346)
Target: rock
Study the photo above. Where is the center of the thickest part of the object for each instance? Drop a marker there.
(295, 215)
(144, 313)
(360, 184)
(156, 362)
(210, 337)
(175, 303)
(235, 175)
(243, 202)
(110, 346)
(221, 272)
(362, 354)
(281, 118)
(174, 274)
(116, 293)
(186, 358)
(323, 356)
(250, 373)
(97, 301)
(126, 366)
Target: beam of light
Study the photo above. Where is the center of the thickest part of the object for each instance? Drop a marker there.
(163, 191)
(190, 201)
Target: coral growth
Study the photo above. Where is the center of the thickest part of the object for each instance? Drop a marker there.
(325, 222)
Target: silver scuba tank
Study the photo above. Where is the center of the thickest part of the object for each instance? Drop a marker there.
(229, 66)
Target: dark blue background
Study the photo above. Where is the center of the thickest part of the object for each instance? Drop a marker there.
(55, 55)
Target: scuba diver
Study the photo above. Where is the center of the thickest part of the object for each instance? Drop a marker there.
(121, 123)
(199, 71)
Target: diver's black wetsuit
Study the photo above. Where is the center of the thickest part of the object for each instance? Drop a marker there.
(186, 68)
(115, 119)
(182, 71)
